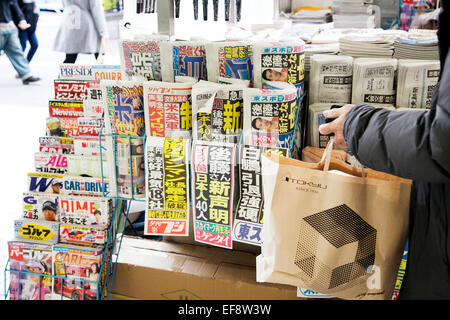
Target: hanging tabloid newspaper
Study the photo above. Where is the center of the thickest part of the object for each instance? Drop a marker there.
(83, 235)
(76, 263)
(141, 59)
(167, 186)
(168, 109)
(40, 206)
(50, 163)
(229, 62)
(270, 116)
(65, 109)
(183, 58)
(213, 191)
(275, 63)
(32, 257)
(124, 107)
(64, 184)
(36, 230)
(248, 218)
(85, 211)
(217, 111)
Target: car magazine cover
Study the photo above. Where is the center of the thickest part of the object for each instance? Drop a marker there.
(212, 192)
(183, 58)
(83, 235)
(275, 63)
(168, 109)
(141, 60)
(34, 259)
(217, 111)
(167, 182)
(40, 206)
(65, 184)
(85, 211)
(229, 62)
(270, 116)
(36, 230)
(248, 217)
(77, 271)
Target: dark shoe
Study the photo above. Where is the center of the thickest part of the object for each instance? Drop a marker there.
(30, 80)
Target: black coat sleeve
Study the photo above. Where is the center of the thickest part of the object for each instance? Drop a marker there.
(409, 144)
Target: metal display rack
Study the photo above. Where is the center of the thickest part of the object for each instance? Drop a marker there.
(119, 220)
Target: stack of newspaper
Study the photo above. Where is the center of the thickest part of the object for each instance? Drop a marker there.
(374, 81)
(368, 44)
(356, 14)
(419, 44)
(416, 82)
(319, 48)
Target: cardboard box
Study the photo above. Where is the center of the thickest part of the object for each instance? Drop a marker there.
(158, 270)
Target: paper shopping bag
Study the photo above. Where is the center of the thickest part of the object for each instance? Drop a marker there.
(331, 230)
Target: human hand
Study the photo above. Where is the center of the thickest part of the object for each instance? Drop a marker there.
(337, 125)
(23, 25)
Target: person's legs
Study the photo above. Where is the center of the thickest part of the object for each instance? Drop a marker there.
(23, 37)
(14, 53)
(71, 57)
(33, 45)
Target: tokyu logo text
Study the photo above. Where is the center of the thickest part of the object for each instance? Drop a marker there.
(302, 182)
(35, 232)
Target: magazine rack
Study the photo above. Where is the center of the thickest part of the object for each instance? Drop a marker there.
(119, 220)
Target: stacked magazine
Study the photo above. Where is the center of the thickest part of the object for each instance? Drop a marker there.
(419, 44)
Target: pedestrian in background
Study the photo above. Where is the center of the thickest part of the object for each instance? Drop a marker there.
(31, 12)
(9, 39)
(82, 29)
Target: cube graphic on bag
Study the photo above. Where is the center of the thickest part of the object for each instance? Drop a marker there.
(346, 235)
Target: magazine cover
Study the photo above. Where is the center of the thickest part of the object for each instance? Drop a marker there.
(276, 62)
(71, 90)
(270, 116)
(65, 109)
(212, 192)
(71, 71)
(229, 62)
(88, 146)
(45, 182)
(248, 217)
(167, 185)
(50, 163)
(141, 60)
(78, 272)
(87, 166)
(183, 58)
(88, 127)
(30, 257)
(168, 109)
(36, 230)
(58, 145)
(65, 184)
(130, 181)
(217, 111)
(83, 235)
(40, 206)
(61, 127)
(85, 211)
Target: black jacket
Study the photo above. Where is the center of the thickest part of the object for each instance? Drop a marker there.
(10, 9)
(28, 8)
(416, 145)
